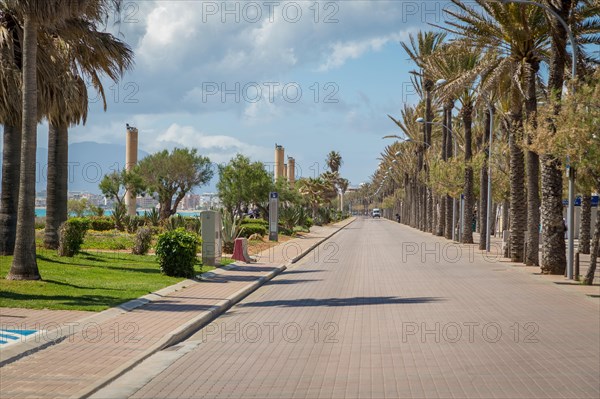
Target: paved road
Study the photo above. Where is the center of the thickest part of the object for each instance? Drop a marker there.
(375, 315)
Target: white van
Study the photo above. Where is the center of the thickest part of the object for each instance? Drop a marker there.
(376, 213)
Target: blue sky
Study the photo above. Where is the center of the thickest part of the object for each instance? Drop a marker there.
(184, 50)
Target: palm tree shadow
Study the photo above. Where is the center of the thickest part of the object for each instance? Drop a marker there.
(340, 302)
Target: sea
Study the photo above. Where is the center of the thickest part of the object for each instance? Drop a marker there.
(41, 212)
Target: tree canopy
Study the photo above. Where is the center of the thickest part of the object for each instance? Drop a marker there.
(173, 175)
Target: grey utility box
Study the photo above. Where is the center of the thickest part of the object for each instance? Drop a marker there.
(211, 237)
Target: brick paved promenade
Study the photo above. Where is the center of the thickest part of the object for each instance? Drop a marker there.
(99, 348)
(388, 311)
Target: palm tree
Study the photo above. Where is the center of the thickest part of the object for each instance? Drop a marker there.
(585, 25)
(35, 13)
(111, 57)
(315, 191)
(334, 161)
(422, 46)
(10, 118)
(467, 65)
(516, 35)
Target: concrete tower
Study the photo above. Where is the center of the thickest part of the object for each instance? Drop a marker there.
(279, 156)
(131, 158)
(291, 170)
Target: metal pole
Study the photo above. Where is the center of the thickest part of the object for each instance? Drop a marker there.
(571, 222)
(489, 184)
(461, 224)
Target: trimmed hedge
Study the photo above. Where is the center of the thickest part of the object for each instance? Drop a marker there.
(101, 223)
(249, 229)
(176, 252)
(261, 222)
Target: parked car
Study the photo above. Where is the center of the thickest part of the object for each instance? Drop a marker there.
(376, 213)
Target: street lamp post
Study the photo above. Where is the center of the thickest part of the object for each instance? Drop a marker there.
(571, 170)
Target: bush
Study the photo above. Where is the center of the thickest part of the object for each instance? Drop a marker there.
(101, 223)
(71, 235)
(309, 223)
(253, 228)
(176, 252)
(132, 223)
(262, 222)
(40, 223)
(142, 241)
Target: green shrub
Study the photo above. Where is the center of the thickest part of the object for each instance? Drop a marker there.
(71, 235)
(301, 229)
(252, 228)
(262, 222)
(151, 218)
(142, 241)
(309, 223)
(132, 223)
(193, 224)
(176, 252)
(118, 216)
(40, 223)
(101, 223)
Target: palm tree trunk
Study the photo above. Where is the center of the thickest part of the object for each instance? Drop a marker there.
(467, 233)
(57, 183)
(9, 202)
(586, 221)
(449, 152)
(24, 264)
(518, 199)
(532, 257)
(441, 219)
(506, 225)
(428, 200)
(554, 260)
(589, 276)
(483, 177)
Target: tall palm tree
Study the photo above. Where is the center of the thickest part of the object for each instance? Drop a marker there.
(315, 191)
(10, 118)
(467, 63)
(35, 13)
(585, 24)
(111, 57)
(334, 161)
(421, 47)
(516, 35)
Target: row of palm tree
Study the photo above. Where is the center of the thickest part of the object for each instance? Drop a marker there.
(487, 62)
(323, 189)
(49, 50)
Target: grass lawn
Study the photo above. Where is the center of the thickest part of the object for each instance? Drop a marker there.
(89, 281)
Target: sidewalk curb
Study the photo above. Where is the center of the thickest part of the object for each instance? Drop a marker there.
(184, 331)
(31, 344)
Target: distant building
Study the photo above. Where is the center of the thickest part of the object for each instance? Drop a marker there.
(146, 202)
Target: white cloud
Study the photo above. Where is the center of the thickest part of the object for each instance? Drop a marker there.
(344, 51)
(219, 148)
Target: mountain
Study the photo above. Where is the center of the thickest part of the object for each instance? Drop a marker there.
(88, 163)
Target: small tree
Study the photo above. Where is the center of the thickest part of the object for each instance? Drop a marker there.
(173, 175)
(114, 185)
(78, 206)
(243, 183)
